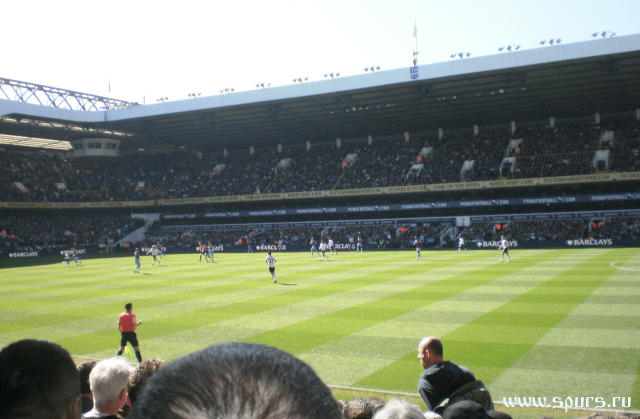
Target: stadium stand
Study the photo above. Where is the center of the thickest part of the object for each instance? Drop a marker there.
(394, 236)
(566, 149)
(535, 149)
(57, 232)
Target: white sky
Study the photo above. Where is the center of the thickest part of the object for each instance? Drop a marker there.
(152, 49)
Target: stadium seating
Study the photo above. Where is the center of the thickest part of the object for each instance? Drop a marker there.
(391, 236)
(48, 233)
(567, 149)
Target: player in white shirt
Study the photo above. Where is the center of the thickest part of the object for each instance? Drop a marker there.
(359, 244)
(332, 247)
(67, 258)
(154, 251)
(504, 246)
(323, 249)
(461, 244)
(271, 261)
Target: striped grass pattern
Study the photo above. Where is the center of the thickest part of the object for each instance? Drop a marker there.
(552, 323)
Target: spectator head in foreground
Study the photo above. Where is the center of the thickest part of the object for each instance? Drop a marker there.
(84, 370)
(361, 408)
(140, 374)
(465, 409)
(495, 414)
(236, 380)
(399, 409)
(109, 380)
(38, 380)
(138, 379)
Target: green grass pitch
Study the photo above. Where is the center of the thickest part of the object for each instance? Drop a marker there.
(552, 323)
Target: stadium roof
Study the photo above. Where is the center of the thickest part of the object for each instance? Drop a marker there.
(562, 81)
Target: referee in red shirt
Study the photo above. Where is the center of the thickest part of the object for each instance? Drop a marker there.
(127, 324)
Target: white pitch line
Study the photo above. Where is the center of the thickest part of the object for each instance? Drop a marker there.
(623, 268)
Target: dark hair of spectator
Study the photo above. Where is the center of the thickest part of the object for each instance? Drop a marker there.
(38, 379)
(435, 346)
(84, 370)
(236, 380)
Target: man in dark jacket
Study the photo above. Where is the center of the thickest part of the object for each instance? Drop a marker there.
(444, 382)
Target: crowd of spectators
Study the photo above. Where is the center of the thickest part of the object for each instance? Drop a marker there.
(50, 232)
(386, 236)
(615, 228)
(38, 379)
(566, 149)
(384, 163)
(398, 236)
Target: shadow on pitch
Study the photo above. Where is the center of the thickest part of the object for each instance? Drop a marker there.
(287, 284)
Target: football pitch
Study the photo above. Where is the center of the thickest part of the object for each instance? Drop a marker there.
(552, 323)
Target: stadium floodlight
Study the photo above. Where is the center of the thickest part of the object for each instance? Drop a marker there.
(263, 85)
(460, 55)
(510, 47)
(372, 68)
(551, 41)
(300, 79)
(604, 34)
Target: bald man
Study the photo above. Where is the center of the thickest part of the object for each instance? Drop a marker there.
(441, 379)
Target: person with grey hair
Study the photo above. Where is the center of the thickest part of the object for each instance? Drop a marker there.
(108, 381)
(236, 380)
(399, 409)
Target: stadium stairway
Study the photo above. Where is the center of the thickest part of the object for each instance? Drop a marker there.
(340, 178)
(139, 234)
(271, 182)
